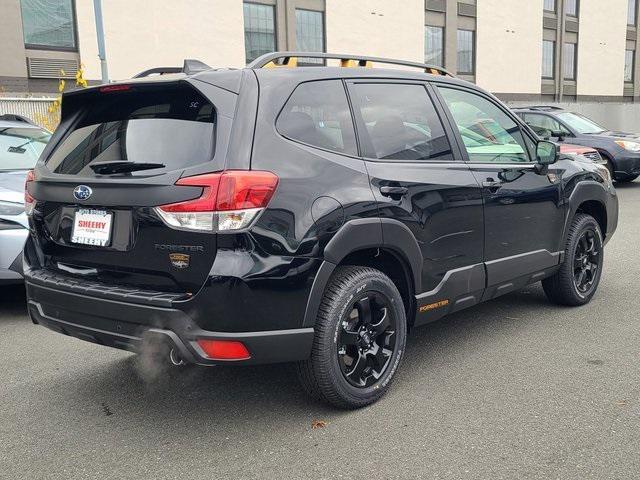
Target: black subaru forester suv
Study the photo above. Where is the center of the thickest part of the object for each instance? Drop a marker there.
(311, 215)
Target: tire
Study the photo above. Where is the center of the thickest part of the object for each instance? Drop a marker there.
(335, 373)
(577, 280)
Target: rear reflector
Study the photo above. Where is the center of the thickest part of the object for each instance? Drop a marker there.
(224, 349)
(230, 200)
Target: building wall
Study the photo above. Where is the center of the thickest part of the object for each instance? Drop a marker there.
(508, 45)
(11, 41)
(376, 27)
(141, 35)
(508, 40)
(601, 46)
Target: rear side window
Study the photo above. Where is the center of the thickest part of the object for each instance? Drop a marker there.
(400, 121)
(173, 126)
(317, 114)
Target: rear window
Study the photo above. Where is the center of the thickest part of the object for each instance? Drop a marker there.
(21, 147)
(172, 126)
(318, 114)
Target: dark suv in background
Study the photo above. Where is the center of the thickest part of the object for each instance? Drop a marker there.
(310, 215)
(620, 150)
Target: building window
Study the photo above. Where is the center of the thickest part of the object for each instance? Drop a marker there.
(48, 24)
(631, 12)
(572, 7)
(548, 58)
(309, 33)
(629, 63)
(550, 5)
(434, 46)
(259, 30)
(466, 52)
(569, 67)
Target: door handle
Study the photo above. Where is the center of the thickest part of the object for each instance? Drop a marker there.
(394, 191)
(492, 185)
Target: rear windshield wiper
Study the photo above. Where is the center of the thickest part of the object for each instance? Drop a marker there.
(122, 166)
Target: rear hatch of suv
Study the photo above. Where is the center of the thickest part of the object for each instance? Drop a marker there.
(119, 153)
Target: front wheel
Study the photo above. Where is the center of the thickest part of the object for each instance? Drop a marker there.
(360, 336)
(577, 280)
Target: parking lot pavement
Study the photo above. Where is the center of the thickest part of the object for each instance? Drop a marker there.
(515, 388)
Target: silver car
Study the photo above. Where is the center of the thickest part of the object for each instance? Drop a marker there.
(21, 143)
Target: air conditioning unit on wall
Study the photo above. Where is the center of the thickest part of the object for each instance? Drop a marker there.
(51, 67)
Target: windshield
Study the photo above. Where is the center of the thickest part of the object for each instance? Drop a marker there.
(579, 123)
(21, 147)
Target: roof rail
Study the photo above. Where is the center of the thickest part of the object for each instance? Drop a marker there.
(541, 108)
(12, 117)
(290, 59)
(189, 67)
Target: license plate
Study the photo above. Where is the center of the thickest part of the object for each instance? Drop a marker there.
(92, 227)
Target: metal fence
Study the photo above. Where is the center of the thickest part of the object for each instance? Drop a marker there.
(36, 109)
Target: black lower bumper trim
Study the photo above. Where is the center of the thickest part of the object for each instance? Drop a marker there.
(100, 321)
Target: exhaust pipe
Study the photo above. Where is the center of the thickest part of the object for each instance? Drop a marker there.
(176, 359)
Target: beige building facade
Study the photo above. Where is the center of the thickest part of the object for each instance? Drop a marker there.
(528, 50)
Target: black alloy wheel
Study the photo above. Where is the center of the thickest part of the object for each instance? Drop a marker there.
(367, 340)
(586, 262)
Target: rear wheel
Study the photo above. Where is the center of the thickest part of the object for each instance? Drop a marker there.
(359, 341)
(577, 280)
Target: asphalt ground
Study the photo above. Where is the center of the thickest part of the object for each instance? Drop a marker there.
(514, 388)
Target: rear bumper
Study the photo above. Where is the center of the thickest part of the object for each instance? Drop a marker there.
(131, 326)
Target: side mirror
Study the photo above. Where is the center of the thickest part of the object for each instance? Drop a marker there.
(559, 134)
(546, 153)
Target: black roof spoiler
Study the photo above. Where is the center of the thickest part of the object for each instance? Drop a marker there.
(290, 59)
(189, 67)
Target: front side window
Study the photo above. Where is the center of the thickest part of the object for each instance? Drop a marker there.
(309, 33)
(48, 23)
(488, 133)
(400, 122)
(580, 123)
(21, 147)
(171, 127)
(572, 7)
(466, 56)
(544, 125)
(629, 62)
(548, 58)
(259, 30)
(569, 63)
(317, 113)
(434, 46)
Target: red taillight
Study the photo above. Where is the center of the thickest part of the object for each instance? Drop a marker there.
(224, 349)
(28, 199)
(230, 200)
(239, 190)
(115, 88)
(230, 190)
(207, 200)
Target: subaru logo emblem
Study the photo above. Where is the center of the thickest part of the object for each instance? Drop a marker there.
(82, 192)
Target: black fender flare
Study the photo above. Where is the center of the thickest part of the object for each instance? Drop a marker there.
(592, 191)
(360, 234)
